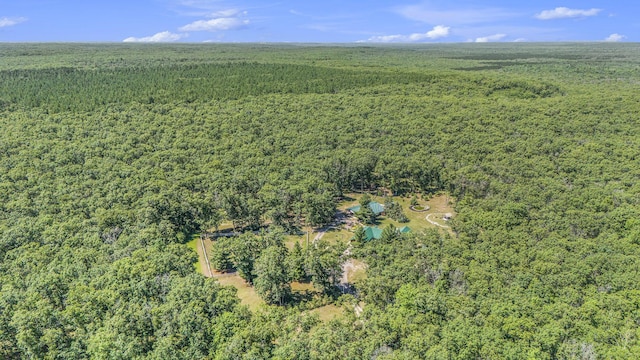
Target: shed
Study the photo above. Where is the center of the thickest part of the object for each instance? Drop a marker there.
(354, 209)
(404, 230)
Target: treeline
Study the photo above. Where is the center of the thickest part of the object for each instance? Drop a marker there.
(80, 90)
(72, 89)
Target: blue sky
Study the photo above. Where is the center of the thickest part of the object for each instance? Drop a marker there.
(408, 21)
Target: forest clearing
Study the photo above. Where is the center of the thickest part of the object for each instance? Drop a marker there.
(353, 270)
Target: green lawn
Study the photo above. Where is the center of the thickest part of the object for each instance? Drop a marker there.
(193, 245)
(246, 293)
(290, 240)
(332, 236)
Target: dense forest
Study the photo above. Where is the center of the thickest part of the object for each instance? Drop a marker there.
(113, 156)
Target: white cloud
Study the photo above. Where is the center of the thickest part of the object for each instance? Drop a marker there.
(564, 12)
(164, 36)
(227, 13)
(495, 37)
(615, 38)
(5, 21)
(225, 23)
(229, 19)
(455, 16)
(530, 33)
(437, 32)
(384, 38)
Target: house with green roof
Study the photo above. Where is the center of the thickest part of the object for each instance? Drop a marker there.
(372, 232)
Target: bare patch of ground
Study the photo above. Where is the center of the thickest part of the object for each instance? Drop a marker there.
(353, 271)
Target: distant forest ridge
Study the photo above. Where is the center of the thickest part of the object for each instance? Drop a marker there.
(88, 90)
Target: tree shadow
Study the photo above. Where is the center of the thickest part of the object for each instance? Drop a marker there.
(298, 297)
(347, 198)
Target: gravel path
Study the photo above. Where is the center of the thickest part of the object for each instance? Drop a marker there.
(435, 223)
(205, 266)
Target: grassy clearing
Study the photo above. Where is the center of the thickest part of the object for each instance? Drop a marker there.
(438, 206)
(334, 236)
(442, 203)
(246, 293)
(328, 312)
(355, 273)
(302, 287)
(290, 240)
(225, 226)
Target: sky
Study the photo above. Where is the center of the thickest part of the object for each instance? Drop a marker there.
(327, 21)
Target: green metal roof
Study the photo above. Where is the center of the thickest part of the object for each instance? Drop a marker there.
(404, 229)
(372, 232)
(354, 209)
(376, 207)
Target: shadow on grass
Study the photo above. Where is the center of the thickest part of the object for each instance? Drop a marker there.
(298, 297)
(347, 198)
